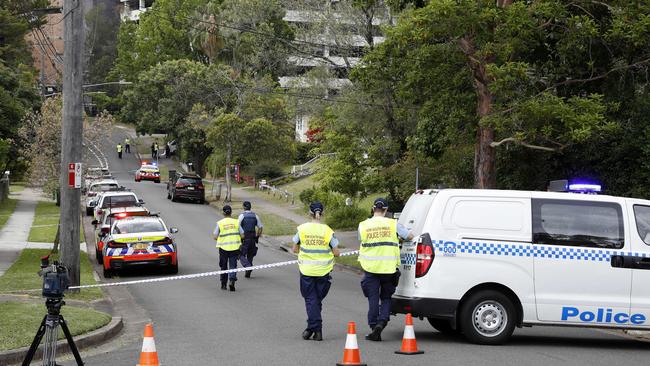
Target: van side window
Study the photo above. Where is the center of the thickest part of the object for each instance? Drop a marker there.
(578, 223)
(642, 217)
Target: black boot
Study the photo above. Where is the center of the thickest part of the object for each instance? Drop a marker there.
(375, 335)
(318, 335)
(223, 285)
(306, 334)
(232, 285)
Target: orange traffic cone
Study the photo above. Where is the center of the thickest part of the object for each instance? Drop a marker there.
(148, 356)
(351, 356)
(409, 345)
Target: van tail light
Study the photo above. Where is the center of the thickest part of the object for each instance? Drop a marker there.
(200, 186)
(92, 194)
(112, 244)
(100, 211)
(425, 256)
(166, 241)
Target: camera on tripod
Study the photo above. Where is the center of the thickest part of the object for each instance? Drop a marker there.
(55, 278)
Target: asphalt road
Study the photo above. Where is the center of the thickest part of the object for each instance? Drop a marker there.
(196, 323)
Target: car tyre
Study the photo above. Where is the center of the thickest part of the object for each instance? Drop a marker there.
(172, 269)
(157, 180)
(488, 317)
(89, 211)
(201, 201)
(99, 256)
(108, 273)
(443, 326)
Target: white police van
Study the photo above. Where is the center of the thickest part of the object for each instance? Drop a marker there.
(487, 261)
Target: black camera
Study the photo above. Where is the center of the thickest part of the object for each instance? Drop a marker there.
(55, 278)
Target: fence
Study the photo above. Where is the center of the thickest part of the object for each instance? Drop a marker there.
(283, 194)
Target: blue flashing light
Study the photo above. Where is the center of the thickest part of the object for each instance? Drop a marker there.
(585, 187)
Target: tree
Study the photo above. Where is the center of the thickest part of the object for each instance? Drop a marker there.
(44, 152)
(164, 95)
(102, 24)
(515, 62)
(224, 134)
(163, 33)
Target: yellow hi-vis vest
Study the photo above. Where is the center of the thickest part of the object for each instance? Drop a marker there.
(379, 251)
(228, 238)
(119, 148)
(315, 257)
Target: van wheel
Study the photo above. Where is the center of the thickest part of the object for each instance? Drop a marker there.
(89, 211)
(488, 317)
(443, 326)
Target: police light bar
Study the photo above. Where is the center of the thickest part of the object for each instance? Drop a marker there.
(144, 163)
(575, 187)
(585, 187)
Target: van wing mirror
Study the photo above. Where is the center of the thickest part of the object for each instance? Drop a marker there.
(92, 204)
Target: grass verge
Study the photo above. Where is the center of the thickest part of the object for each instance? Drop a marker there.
(349, 260)
(7, 207)
(275, 225)
(23, 275)
(46, 219)
(19, 322)
(16, 187)
(45, 223)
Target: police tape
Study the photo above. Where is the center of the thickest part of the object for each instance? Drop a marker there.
(196, 275)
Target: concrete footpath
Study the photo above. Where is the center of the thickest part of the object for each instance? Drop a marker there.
(13, 236)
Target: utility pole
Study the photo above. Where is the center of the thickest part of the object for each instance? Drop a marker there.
(71, 134)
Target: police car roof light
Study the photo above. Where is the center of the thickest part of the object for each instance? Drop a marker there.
(585, 187)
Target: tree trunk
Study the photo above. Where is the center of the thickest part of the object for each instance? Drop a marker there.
(484, 154)
(228, 196)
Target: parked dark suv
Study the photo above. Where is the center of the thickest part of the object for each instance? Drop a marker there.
(185, 186)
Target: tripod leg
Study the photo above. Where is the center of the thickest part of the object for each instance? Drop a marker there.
(68, 336)
(37, 340)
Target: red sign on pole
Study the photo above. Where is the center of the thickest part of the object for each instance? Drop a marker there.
(74, 175)
(71, 177)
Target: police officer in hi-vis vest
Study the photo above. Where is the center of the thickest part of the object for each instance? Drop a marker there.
(316, 247)
(250, 228)
(379, 256)
(228, 241)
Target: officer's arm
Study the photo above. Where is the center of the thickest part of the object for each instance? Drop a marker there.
(296, 243)
(260, 226)
(404, 233)
(334, 244)
(215, 234)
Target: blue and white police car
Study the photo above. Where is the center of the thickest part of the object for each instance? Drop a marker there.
(487, 261)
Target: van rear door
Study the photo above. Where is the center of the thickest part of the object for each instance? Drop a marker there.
(413, 217)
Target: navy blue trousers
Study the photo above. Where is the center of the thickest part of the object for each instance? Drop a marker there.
(248, 249)
(314, 290)
(378, 288)
(228, 259)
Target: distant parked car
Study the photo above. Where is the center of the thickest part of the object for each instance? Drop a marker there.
(185, 186)
(95, 188)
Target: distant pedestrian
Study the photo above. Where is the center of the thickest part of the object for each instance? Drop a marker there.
(156, 148)
(127, 145)
(167, 151)
(119, 150)
(228, 241)
(316, 247)
(250, 227)
(153, 150)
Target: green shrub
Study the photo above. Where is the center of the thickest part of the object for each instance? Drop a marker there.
(267, 170)
(345, 217)
(330, 200)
